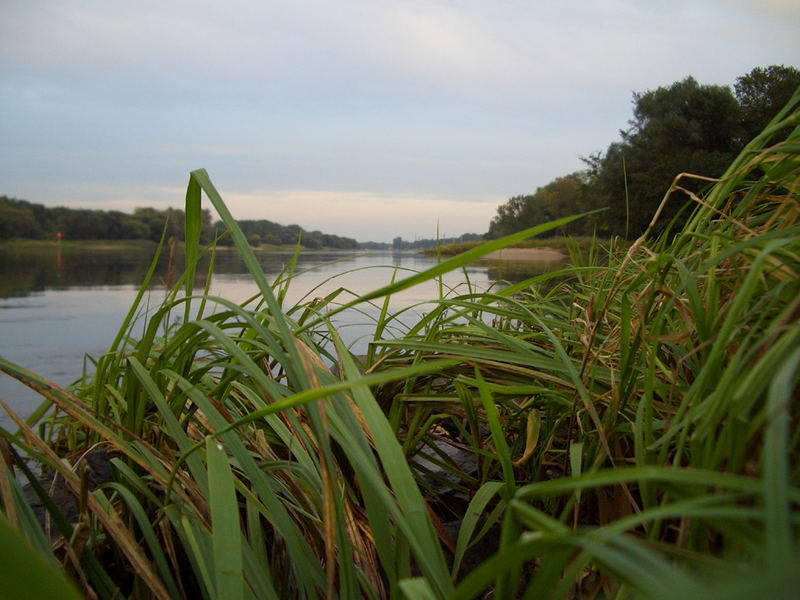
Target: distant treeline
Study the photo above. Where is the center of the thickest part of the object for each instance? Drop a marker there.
(266, 232)
(425, 244)
(684, 128)
(26, 220)
(23, 219)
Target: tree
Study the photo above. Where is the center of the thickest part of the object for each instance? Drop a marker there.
(206, 227)
(761, 94)
(509, 217)
(686, 127)
(312, 240)
(17, 220)
(290, 234)
(154, 220)
(272, 239)
(562, 197)
(84, 225)
(134, 229)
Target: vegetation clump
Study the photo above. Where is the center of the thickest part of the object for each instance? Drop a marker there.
(623, 427)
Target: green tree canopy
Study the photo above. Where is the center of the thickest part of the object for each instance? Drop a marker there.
(274, 233)
(17, 221)
(683, 128)
(564, 196)
(761, 94)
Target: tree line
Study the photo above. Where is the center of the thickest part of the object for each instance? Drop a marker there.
(27, 220)
(682, 128)
(399, 243)
(266, 232)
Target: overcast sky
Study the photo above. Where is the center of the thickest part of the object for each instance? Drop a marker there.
(369, 119)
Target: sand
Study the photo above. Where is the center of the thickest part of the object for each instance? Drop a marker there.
(528, 254)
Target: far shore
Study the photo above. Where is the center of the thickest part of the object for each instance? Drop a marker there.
(536, 254)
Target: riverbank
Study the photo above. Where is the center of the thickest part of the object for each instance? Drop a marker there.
(528, 255)
(22, 245)
(30, 245)
(534, 249)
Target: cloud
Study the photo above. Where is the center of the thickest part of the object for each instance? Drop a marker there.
(352, 53)
(769, 9)
(343, 109)
(364, 57)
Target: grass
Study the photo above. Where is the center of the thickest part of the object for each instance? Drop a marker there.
(623, 427)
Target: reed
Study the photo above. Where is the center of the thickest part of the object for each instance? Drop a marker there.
(624, 427)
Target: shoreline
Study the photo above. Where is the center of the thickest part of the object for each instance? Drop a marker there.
(527, 254)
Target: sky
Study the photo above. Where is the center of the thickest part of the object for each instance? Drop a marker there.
(365, 118)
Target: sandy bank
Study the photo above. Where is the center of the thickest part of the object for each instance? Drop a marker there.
(529, 254)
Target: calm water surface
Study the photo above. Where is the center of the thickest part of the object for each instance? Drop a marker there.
(55, 312)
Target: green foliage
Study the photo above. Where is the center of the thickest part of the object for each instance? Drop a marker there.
(426, 244)
(761, 94)
(17, 220)
(22, 219)
(684, 128)
(25, 220)
(154, 221)
(312, 240)
(272, 239)
(276, 234)
(563, 196)
(26, 573)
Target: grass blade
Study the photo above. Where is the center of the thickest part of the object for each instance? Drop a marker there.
(225, 525)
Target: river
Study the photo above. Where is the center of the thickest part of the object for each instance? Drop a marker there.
(59, 310)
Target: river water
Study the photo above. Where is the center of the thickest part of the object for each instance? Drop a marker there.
(59, 310)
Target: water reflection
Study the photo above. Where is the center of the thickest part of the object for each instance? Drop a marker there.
(54, 314)
(519, 270)
(37, 268)
(31, 269)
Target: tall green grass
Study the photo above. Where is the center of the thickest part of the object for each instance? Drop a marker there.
(624, 427)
